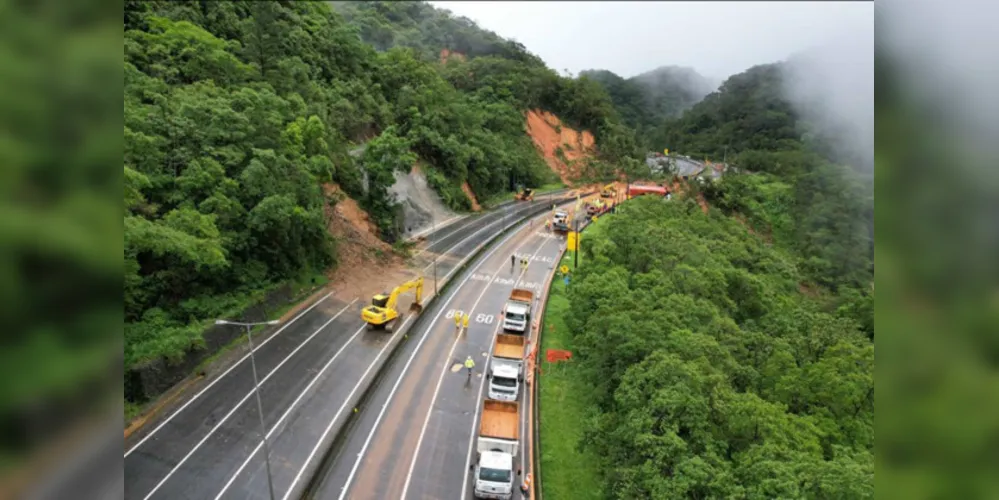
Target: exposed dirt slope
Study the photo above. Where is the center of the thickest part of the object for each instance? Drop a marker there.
(447, 55)
(471, 196)
(551, 136)
(367, 265)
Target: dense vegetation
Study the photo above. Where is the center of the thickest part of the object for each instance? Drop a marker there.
(237, 113)
(799, 194)
(648, 100)
(711, 375)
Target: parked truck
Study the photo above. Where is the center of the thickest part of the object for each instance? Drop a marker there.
(517, 311)
(497, 445)
(506, 369)
(560, 221)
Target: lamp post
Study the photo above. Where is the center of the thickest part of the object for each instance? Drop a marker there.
(256, 391)
(433, 222)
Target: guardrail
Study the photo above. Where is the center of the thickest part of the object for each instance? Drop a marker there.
(318, 472)
(535, 487)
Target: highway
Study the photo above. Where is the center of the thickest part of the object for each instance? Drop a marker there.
(415, 436)
(310, 370)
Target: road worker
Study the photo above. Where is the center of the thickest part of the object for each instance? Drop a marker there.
(523, 264)
(464, 322)
(469, 364)
(457, 321)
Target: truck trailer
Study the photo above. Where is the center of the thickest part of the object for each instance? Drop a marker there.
(506, 370)
(517, 311)
(497, 444)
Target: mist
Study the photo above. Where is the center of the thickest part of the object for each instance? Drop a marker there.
(832, 87)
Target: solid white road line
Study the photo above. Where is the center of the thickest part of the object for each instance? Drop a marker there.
(475, 421)
(220, 377)
(241, 401)
(360, 456)
(298, 476)
(433, 401)
(509, 215)
(291, 407)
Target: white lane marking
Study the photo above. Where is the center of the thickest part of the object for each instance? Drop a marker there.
(241, 401)
(289, 409)
(405, 369)
(220, 377)
(511, 215)
(475, 421)
(301, 471)
(433, 401)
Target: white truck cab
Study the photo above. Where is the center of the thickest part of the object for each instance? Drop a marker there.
(494, 476)
(504, 384)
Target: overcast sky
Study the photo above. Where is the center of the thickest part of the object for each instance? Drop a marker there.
(717, 39)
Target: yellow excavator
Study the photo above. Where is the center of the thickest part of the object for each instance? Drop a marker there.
(382, 310)
(608, 191)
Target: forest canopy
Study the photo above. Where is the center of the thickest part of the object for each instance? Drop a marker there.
(712, 376)
(237, 114)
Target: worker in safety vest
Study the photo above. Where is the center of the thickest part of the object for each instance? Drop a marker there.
(457, 321)
(464, 322)
(469, 364)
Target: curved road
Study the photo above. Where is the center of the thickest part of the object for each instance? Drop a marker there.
(310, 369)
(415, 437)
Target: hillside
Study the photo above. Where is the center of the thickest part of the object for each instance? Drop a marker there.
(236, 115)
(647, 100)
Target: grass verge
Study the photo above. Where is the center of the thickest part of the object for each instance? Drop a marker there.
(567, 470)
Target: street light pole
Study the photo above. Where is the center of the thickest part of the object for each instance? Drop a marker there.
(433, 221)
(256, 391)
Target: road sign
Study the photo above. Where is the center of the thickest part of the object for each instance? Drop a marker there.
(571, 241)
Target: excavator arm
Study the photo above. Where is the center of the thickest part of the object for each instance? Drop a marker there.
(383, 309)
(403, 288)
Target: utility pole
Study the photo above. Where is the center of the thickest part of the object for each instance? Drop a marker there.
(575, 253)
(256, 391)
(433, 228)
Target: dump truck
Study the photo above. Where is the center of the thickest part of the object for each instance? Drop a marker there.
(506, 370)
(497, 445)
(560, 221)
(517, 311)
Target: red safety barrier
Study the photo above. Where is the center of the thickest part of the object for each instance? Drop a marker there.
(556, 355)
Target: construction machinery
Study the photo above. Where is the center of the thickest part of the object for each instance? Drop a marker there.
(560, 221)
(382, 310)
(608, 191)
(526, 194)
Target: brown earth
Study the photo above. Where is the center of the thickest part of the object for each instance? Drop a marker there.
(471, 196)
(447, 55)
(366, 264)
(549, 134)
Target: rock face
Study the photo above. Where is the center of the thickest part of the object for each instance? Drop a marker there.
(420, 203)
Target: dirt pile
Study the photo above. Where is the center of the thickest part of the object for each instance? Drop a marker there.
(562, 147)
(366, 264)
(471, 196)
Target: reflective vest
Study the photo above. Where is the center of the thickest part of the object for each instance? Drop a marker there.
(469, 363)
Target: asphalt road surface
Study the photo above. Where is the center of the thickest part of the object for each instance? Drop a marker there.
(309, 369)
(415, 437)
